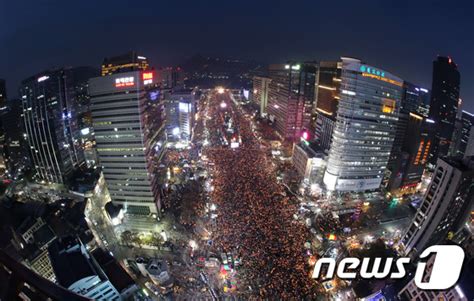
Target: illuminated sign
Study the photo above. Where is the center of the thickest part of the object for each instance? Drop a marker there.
(184, 107)
(443, 273)
(366, 69)
(147, 78)
(42, 78)
(384, 79)
(416, 116)
(124, 82)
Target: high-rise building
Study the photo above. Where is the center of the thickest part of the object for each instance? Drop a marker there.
(414, 101)
(130, 61)
(50, 121)
(327, 99)
(409, 164)
(365, 127)
(16, 151)
(128, 120)
(180, 110)
(463, 131)
(411, 121)
(170, 78)
(78, 271)
(291, 97)
(445, 205)
(84, 118)
(444, 104)
(260, 93)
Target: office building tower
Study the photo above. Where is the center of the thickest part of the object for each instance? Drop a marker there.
(130, 61)
(170, 78)
(16, 151)
(408, 167)
(79, 272)
(291, 97)
(414, 99)
(365, 127)
(463, 131)
(327, 99)
(445, 205)
(180, 111)
(128, 120)
(444, 104)
(413, 113)
(260, 93)
(50, 121)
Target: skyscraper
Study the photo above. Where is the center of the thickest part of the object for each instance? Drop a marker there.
(180, 109)
(463, 131)
(444, 104)
(16, 151)
(260, 93)
(128, 119)
(291, 97)
(412, 138)
(409, 164)
(170, 78)
(327, 99)
(445, 205)
(365, 127)
(50, 119)
(129, 61)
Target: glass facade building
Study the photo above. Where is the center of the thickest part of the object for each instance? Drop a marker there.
(365, 127)
(444, 104)
(291, 96)
(50, 120)
(128, 120)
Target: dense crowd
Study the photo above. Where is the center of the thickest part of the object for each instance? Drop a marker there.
(255, 218)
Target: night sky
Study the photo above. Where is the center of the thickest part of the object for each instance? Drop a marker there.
(402, 37)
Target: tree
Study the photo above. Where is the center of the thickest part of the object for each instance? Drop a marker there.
(126, 237)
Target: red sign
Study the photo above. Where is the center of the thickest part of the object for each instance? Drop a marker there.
(124, 82)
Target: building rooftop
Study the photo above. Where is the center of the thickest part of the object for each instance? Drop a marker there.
(119, 278)
(69, 263)
(43, 235)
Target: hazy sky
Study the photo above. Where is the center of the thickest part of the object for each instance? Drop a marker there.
(403, 37)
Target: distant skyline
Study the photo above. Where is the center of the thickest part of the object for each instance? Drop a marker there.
(403, 37)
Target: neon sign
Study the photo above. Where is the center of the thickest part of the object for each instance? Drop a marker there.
(384, 79)
(147, 78)
(124, 82)
(365, 69)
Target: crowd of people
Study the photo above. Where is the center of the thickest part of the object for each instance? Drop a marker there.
(255, 216)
